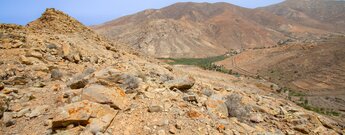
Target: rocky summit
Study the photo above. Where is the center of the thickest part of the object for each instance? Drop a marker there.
(59, 77)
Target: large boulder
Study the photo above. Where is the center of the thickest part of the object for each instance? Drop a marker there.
(113, 96)
(183, 84)
(110, 76)
(84, 113)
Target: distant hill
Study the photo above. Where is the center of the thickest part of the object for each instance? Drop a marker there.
(204, 29)
(319, 14)
(190, 30)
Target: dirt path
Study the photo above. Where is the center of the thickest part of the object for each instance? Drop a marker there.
(239, 69)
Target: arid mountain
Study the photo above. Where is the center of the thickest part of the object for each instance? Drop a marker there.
(59, 77)
(319, 14)
(191, 30)
(204, 29)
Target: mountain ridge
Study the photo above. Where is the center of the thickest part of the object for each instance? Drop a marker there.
(223, 25)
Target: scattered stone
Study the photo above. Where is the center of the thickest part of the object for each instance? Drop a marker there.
(183, 84)
(2, 85)
(39, 110)
(22, 112)
(161, 132)
(83, 113)
(48, 123)
(4, 101)
(147, 129)
(164, 122)
(207, 92)
(52, 46)
(115, 97)
(81, 80)
(302, 128)
(56, 74)
(39, 85)
(155, 108)
(190, 98)
(34, 54)
(282, 111)
(194, 114)
(26, 61)
(172, 129)
(8, 119)
(178, 125)
(221, 128)
(72, 131)
(100, 124)
(9, 90)
(256, 118)
(78, 84)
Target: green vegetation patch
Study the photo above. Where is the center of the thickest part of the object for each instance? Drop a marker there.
(201, 62)
(205, 63)
(319, 110)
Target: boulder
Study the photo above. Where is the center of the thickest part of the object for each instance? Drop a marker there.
(56, 74)
(82, 113)
(81, 80)
(8, 119)
(115, 96)
(183, 84)
(4, 101)
(256, 118)
(78, 84)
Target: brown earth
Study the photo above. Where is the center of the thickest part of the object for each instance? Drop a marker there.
(59, 77)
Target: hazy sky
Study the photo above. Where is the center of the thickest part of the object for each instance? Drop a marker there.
(92, 12)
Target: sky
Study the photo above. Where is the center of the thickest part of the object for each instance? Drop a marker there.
(92, 12)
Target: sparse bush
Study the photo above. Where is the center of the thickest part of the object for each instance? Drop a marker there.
(236, 108)
(129, 82)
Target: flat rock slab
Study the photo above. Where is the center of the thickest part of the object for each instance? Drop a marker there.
(113, 96)
(82, 113)
(216, 106)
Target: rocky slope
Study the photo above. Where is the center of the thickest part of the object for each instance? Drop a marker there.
(59, 77)
(320, 14)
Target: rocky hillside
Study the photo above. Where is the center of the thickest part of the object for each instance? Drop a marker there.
(204, 29)
(314, 68)
(190, 30)
(59, 77)
(320, 14)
